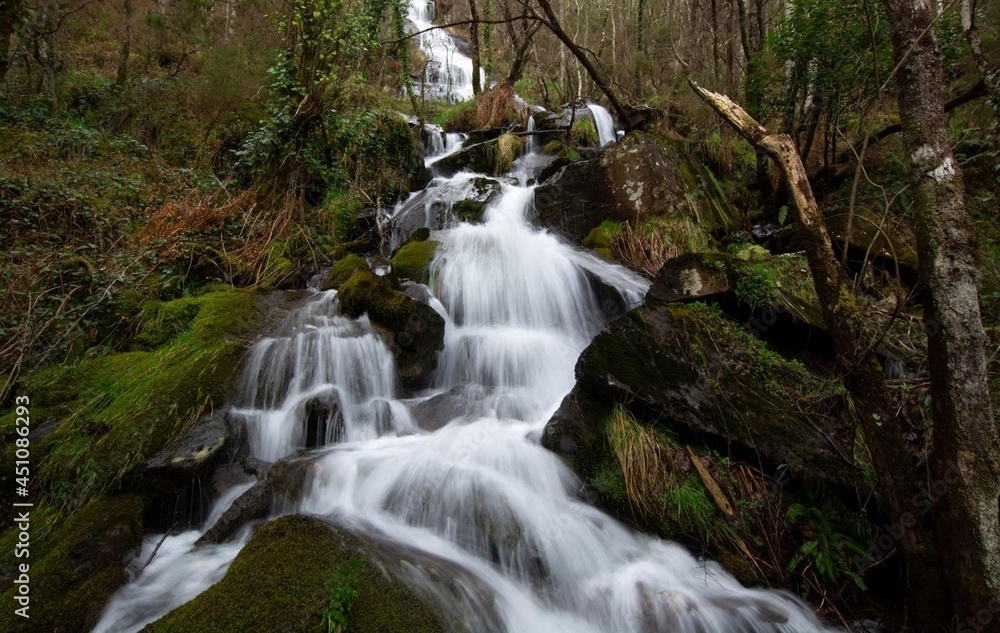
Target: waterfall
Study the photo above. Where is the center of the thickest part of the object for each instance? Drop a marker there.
(605, 124)
(478, 492)
(448, 74)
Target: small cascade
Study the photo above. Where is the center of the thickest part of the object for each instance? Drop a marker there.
(605, 124)
(532, 147)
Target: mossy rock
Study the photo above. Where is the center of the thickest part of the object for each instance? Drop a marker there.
(342, 271)
(278, 583)
(79, 567)
(416, 331)
(110, 414)
(697, 373)
(413, 260)
(599, 237)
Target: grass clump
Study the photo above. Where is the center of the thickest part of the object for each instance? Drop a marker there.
(508, 149)
(340, 595)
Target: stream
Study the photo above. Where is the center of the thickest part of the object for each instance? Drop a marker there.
(477, 495)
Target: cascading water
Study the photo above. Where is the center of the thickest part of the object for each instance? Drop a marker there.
(477, 494)
(605, 124)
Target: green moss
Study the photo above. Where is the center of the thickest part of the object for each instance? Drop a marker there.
(413, 260)
(637, 361)
(114, 412)
(600, 237)
(418, 330)
(278, 583)
(342, 271)
(460, 117)
(79, 567)
(610, 482)
(584, 133)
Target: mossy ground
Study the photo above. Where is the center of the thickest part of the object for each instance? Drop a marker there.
(113, 412)
(75, 571)
(278, 583)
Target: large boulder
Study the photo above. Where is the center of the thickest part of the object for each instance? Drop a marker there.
(688, 369)
(633, 180)
(415, 332)
(279, 582)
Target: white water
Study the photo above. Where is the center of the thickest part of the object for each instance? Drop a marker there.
(478, 494)
(605, 124)
(448, 74)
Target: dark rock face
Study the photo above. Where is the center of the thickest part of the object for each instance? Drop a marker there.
(633, 180)
(415, 331)
(171, 480)
(252, 505)
(323, 419)
(696, 374)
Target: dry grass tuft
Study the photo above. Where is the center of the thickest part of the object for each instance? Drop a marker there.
(508, 148)
(647, 466)
(496, 107)
(644, 249)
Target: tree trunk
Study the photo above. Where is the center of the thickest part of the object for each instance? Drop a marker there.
(552, 23)
(966, 451)
(639, 49)
(863, 375)
(126, 49)
(10, 16)
(477, 83)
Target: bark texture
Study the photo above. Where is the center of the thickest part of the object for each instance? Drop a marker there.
(966, 445)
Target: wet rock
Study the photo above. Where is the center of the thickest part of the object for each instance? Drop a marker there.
(278, 582)
(415, 331)
(436, 412)
(252, 505)
(633, 180)
(323, 419)
(688, 277)
(191, 456)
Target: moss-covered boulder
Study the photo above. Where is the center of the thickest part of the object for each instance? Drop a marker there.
(341, 271)
(278, 582)
(687, 368)
(415, 331)
(76, 570)
(632, 181)
(473, 208)
(413, 260)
